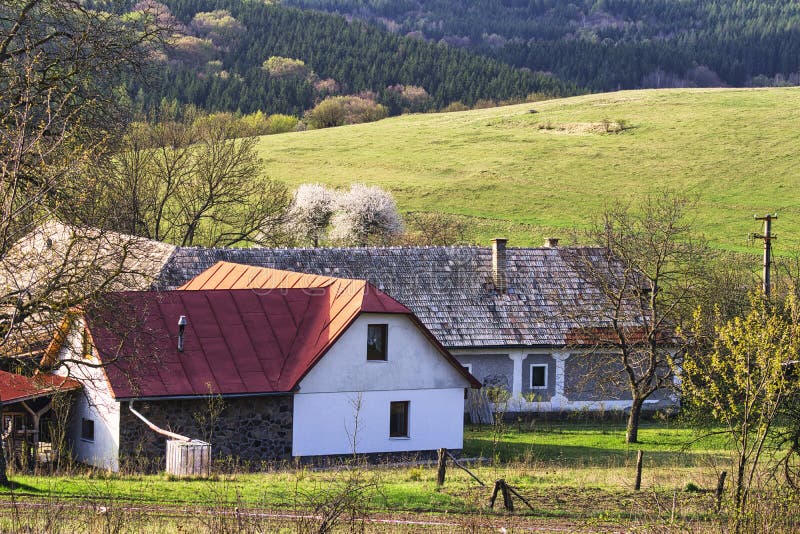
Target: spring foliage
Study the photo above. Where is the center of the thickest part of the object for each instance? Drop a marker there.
(740, 375)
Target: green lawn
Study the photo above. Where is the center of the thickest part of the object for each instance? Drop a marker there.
(574, 474)
(736, 150)
(576, 455)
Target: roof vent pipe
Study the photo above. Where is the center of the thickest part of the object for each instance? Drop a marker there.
(499, 264)
(551, 242)
(181, 328)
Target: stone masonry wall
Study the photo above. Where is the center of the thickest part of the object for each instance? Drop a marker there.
(251, 429)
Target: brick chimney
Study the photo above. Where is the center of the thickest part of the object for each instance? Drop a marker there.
(499, 264)
(551, 242)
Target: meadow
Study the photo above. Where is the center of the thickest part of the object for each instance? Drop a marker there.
(577, 476)
(549, 168)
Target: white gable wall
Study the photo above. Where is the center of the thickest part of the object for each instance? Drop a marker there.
(414, 362)
(95, 402)
(346, 398)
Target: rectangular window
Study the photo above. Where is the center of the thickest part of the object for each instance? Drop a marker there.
(398, 419)
(376, 342)
(538, 376)
(87, 430)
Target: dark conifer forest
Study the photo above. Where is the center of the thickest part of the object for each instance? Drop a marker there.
(608, 44)
(219, 60)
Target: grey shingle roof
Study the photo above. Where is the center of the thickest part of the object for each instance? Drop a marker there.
(449, 288)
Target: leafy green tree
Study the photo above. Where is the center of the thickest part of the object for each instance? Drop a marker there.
(739, 375)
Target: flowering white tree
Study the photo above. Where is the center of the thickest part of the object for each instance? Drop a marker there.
(366, 214)
(311, 211)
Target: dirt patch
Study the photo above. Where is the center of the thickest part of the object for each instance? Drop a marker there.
(584, 128)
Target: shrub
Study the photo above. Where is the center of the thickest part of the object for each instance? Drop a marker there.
(279, 67)
(341, 110)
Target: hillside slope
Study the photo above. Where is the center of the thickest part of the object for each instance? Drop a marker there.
(534, 174)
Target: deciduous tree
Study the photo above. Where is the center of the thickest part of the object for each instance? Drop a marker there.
(648, 278)
(366, 215)
(739, 373)
(311, 212)
(60, 114)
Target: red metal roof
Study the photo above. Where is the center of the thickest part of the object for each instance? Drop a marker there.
(227, 275)
(17, 388)
(240, 341)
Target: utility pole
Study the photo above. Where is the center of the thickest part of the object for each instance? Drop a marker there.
(767, 236)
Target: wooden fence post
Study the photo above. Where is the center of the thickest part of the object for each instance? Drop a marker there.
(508, 503)
(638, 485)
(442, 467)
(494, 493)
(720, 489)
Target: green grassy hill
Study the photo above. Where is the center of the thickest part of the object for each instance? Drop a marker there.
(528, 175)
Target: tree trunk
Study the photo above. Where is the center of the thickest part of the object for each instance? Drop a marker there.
(632, 430)
(3, 463)
(739, 495)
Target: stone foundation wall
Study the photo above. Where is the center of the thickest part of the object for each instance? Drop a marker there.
(248, 429)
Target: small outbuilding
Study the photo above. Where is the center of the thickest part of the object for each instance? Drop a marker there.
(27, 404)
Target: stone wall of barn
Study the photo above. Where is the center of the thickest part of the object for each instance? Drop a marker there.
(243, 430)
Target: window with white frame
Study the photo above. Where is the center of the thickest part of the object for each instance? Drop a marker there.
(468, 367)
(538, 376)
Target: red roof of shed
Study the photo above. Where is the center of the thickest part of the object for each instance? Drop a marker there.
(240, 341)
(17, 388)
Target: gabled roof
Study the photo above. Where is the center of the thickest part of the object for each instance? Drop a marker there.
(236, 342)
(226, 275)
(549, 300)
(58, 264)
(18, 388)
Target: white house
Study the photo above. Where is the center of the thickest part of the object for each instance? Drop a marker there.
(323, 366)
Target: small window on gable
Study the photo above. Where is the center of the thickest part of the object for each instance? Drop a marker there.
(376, 342)
(87, 430)
(398, 419)
(86, 345)
(538, 376)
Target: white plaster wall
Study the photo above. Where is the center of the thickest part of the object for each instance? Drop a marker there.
(413, 361)
(344, 388)
(325, 423)
(95, 402)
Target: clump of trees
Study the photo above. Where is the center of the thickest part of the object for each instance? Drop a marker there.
(190, 181)
(278, 66)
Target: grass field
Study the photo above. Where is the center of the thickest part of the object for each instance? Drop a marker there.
(531, 175)
(574, 474)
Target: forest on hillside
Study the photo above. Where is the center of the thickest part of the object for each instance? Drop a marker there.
(235, 55)
(608, 44)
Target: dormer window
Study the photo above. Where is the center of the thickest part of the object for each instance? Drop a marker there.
(377, 342)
